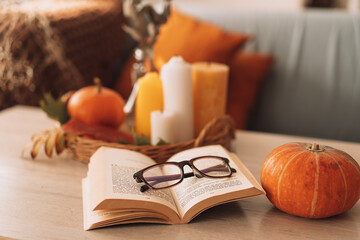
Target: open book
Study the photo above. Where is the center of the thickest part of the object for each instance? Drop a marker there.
(111, 195)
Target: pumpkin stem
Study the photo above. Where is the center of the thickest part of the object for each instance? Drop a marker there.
(315, 147)
(97, 82)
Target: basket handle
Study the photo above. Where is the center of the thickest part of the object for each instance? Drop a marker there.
(216, 127)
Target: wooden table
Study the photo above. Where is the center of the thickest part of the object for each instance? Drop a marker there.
(41, 199)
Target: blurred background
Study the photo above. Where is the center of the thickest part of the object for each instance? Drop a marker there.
(310, 88)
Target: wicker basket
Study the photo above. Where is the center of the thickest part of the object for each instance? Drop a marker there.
(219, 131)
(59, 48)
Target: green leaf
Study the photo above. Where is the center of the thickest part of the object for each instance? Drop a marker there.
(161, 142)
(54, 108)
(123, 142)
(140, 140)
(143, 140)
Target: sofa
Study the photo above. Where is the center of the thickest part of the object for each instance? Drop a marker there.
(313, 87)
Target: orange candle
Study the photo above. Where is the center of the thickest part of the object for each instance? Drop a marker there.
(210, 81)
(149, 98)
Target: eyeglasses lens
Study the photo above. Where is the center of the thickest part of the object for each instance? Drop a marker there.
(163, 175)
(213, 167)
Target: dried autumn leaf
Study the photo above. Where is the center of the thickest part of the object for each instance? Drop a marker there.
(59, 142)
(53, 140)
(40, 135)
(50, 143)
(69, 137)
(98, 132)
(36, 146)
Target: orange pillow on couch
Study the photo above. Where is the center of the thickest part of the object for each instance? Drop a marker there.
(195, 41)
(247, 70)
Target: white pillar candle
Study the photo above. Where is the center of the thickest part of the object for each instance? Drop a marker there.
(177, 89)
(162, 126)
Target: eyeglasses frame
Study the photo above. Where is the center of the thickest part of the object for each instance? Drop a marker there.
(138, 176)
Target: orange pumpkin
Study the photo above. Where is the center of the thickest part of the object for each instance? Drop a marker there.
(97, 105)
(311, 181)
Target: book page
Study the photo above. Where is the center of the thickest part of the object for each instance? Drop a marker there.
(120, 186)
(102, 218)
(194, 190)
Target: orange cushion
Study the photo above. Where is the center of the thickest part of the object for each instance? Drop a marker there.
(247, 70)
(124, 84)
(194, 40)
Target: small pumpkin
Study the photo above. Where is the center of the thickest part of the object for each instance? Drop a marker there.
(311, 180)
(97, 105)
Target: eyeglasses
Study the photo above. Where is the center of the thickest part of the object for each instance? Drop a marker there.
(169, 174)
